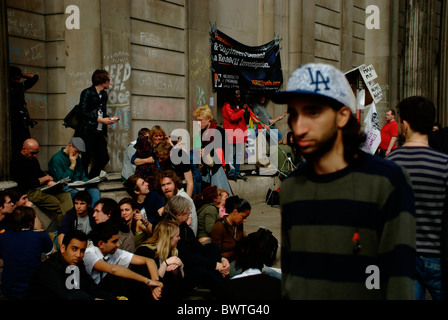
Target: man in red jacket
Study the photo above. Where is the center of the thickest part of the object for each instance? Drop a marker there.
(234, 124)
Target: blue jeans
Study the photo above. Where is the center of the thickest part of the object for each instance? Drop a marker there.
(237, 157)
(429, 276)
(279, 135)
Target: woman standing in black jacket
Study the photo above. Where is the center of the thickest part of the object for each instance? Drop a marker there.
(94, 122)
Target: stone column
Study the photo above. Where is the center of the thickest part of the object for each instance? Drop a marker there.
(302, 20)
(378, 48)
(4, 109)
(198, 74)
(116, 59)
(83, 56)
(442, 102)
(420, 55)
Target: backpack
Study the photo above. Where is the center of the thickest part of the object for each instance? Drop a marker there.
(273, 197)
(270, 245)
(72, 119)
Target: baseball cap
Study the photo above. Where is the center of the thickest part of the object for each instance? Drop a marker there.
(318, 79)
(78, 143)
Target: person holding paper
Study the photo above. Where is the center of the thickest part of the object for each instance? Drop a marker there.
(67, 163)
(94, 123)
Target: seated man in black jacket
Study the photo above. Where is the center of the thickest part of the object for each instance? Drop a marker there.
(26, 171)
(63, 275)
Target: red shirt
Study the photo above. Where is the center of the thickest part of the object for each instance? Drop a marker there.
(233, 119)
(389, 130)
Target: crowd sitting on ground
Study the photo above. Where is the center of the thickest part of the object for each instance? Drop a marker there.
(342, 210)
(123, 251)
(163, 241)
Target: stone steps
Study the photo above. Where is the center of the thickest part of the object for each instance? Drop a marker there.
(254, 189)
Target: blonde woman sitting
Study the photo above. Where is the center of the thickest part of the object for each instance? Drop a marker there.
(162, 247)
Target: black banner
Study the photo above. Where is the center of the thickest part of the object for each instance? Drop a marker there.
(252, 69)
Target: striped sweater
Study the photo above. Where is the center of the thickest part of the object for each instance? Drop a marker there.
(322, 216)
(428, 170)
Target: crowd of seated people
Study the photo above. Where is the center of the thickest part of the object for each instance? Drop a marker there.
(165, 239)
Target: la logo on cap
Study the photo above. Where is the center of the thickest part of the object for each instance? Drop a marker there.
(318, 80)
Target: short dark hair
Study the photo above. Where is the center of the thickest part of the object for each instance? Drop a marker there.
(100, 77)
(131, 185)
(419, 112)
(129, 201)
(83, 195)
(22, 218)
(250, 252)
(74, 234)
(3, 195)
(14, 71)
(16, 193)
(103, 232)
(237, 203)
(143, 131)
(110, 207)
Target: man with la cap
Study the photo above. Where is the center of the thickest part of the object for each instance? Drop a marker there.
(67, 163)
(348, 219)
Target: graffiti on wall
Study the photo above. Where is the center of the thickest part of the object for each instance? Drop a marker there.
(119, 105)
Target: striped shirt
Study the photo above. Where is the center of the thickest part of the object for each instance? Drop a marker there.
(322, 215)
(428, 170)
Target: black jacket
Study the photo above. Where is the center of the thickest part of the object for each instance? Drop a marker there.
(89, 104)
(50, 282)
(191, 250)
(26, 172)
(20, 118)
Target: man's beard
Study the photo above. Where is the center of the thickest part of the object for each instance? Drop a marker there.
(322, 148)
(171, 194)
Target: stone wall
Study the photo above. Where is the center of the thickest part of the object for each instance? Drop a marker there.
(158, 54)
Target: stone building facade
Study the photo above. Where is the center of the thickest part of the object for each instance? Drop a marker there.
(158, 55)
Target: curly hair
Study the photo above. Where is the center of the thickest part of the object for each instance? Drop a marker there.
(171, 175)
(163, 148)
(204, 111)
(208, 195)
